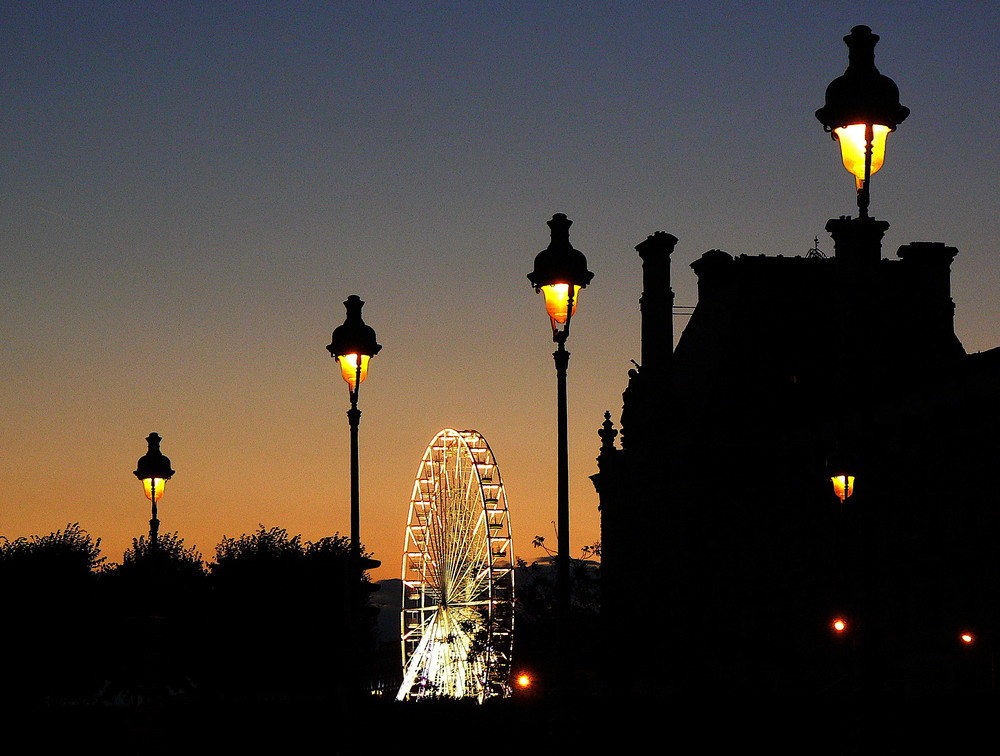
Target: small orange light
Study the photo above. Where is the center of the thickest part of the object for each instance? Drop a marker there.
(523, 681)
(967, 638)
(839, 625)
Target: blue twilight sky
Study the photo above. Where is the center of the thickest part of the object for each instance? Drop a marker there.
(190, 191)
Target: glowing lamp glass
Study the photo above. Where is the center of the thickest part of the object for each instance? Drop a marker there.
(153, 488)
(349, 368)
(843, 486)
(839, 625)
(524, 681)
(967, 638)
(557, 301)
(852, 148)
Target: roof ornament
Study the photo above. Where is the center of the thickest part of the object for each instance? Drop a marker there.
(815, 251)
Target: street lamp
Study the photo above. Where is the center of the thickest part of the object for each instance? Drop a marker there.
(560, 272)
(353, 345)
(841, 469)
(843, 486)
(862, 107)
(153, 471)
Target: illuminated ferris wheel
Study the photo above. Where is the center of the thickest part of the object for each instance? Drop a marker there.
(457, 618)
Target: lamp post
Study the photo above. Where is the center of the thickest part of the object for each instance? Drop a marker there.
(560, 272)
(862, 107)
(841, 469)
(153, 471)
(353, 345)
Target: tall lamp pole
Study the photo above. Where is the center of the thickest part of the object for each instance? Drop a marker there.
(560, 272)
(861, 108)
(153, 471)
(353, 345)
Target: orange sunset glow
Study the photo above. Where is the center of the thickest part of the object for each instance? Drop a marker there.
(191, 195)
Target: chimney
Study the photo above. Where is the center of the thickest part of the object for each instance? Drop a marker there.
(656, 304)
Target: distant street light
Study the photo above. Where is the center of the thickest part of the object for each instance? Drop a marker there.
(841, 470)
(979, 646)
(843, 486)
(560, 272)
(862, 107)
(153, 471)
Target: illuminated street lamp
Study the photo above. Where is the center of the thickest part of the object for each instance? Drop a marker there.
(862, 107)
(560, 272)
(843, 486)
(353, 345)
(841, 470)
(153, 471)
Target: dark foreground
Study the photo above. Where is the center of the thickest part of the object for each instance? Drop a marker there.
(817, 726)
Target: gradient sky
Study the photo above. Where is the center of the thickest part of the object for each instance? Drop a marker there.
(191, 190)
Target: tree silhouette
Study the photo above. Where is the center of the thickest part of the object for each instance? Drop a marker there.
(267, 621)
(537, 640)
(155, 600)
(50, 627)
(279, 613)
(169, 554)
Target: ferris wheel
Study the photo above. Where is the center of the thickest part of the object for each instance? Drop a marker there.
(457, 619)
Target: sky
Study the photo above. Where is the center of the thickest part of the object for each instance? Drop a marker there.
(191, 190)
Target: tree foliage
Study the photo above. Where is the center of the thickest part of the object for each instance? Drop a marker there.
(156, 599)
(50, 625)
(169, 552)
(266, 620)
(283, 603)
(263, 547)
(591, 551)
(68, 553)
(537, 635)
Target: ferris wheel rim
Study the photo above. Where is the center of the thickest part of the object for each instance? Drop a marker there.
(456, 624)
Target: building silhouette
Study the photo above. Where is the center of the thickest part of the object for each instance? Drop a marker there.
(718, 513)
(716, 501)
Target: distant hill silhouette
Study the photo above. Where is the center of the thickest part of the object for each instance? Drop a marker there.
(389, 600)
